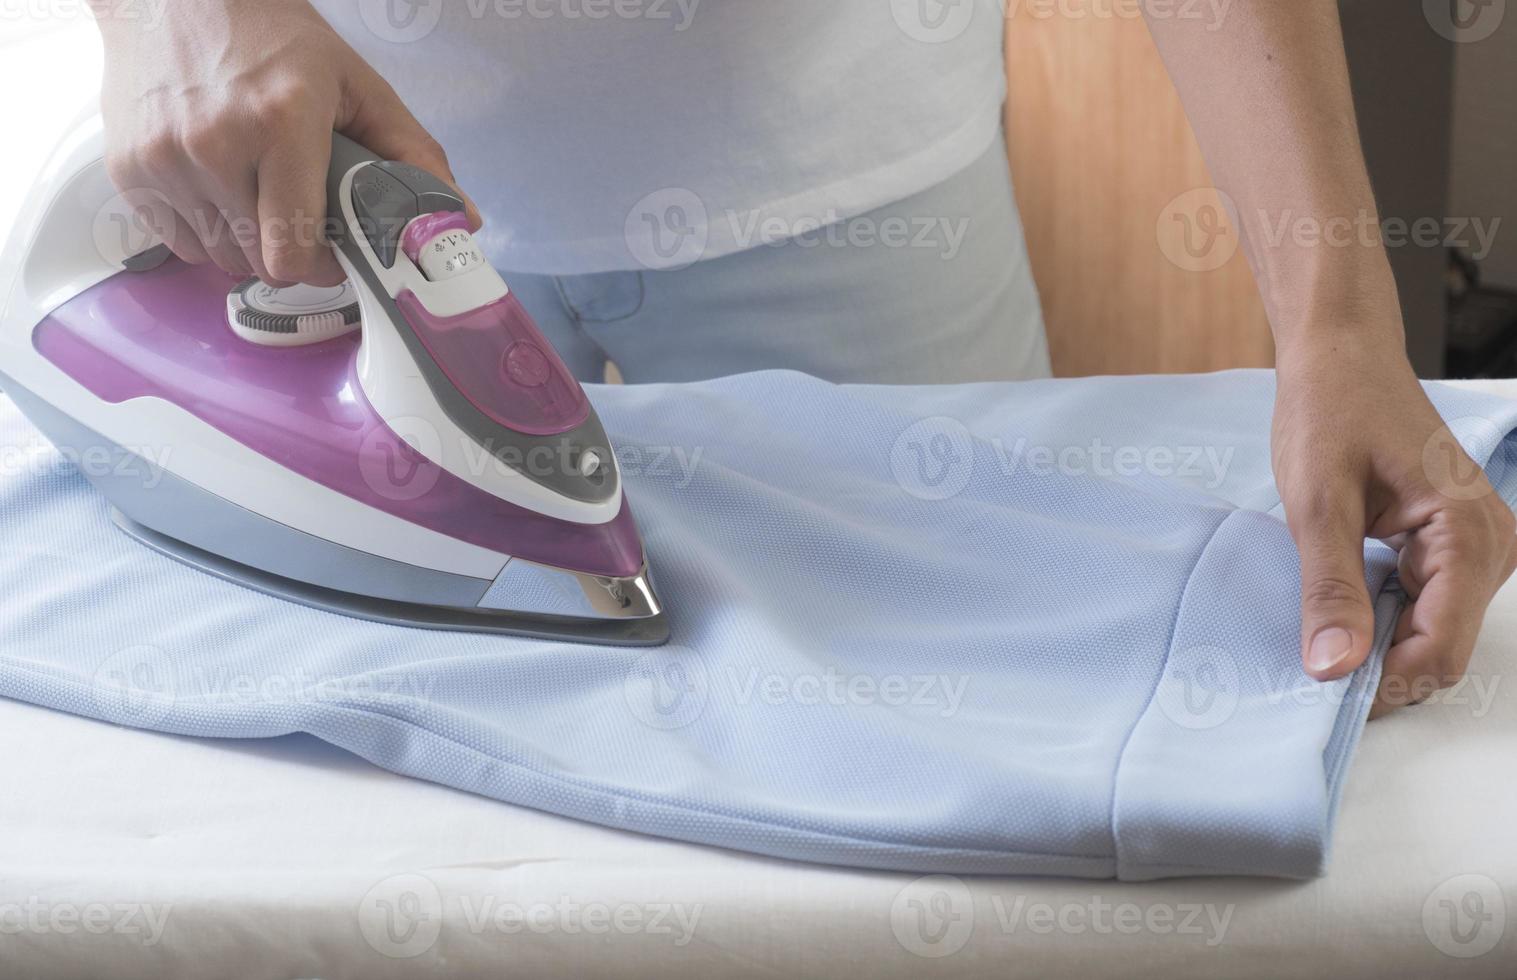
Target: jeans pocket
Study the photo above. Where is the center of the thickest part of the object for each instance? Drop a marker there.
(602, 297)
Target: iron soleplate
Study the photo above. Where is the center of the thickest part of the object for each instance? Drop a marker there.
(647, 632)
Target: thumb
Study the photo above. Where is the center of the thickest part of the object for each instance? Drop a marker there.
(1337, 620)
(374, 116)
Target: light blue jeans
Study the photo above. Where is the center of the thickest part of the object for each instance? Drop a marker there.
(933, 289)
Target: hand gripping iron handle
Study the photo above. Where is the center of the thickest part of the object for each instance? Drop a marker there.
(433, 306)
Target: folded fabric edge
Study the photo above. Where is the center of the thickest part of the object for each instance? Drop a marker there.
(1500, 466)
(1235, 734)
(1354, 715)
(1352, 718)
(576, 801)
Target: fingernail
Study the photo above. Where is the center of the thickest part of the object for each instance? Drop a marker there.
(1328, 649)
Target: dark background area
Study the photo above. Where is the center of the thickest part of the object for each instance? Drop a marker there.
(1440, 135)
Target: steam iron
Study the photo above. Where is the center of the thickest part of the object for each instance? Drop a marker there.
(406, 448)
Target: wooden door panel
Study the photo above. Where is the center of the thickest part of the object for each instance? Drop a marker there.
(1110, 182)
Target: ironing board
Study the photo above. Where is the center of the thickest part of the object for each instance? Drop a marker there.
(133, 854)
(290, 858)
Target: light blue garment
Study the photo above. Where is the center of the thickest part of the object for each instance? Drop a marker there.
(1009, 628)
(934, 289)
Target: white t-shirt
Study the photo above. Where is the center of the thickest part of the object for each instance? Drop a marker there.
(599, 135)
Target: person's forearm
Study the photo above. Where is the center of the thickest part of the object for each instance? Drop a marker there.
(1268, 95)
(1358, 449)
